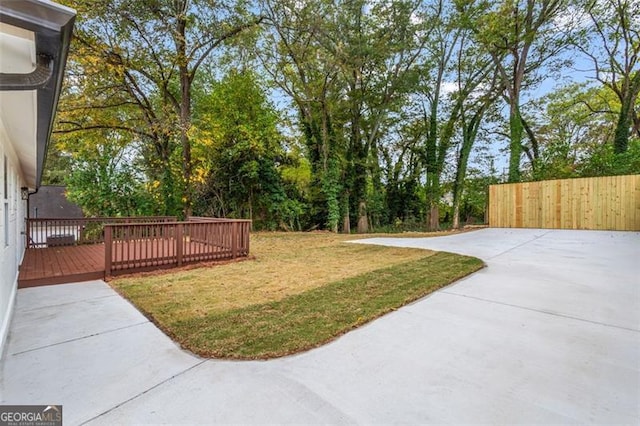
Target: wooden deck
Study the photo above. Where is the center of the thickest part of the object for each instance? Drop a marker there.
(106, 249)
(67, 264)
(59, 265)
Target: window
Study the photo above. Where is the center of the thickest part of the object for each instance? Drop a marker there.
(6, 224)
(5, 180)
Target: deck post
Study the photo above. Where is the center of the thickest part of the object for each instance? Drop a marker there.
(179, 243)
(27, 233)
(245, 233)
(108, 240)
(234, 239)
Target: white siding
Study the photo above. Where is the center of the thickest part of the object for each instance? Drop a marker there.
(12, 226)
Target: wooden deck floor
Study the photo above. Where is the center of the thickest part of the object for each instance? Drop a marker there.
(58, 265)
(67, 264)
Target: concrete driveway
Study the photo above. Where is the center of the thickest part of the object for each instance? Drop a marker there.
(549, 332)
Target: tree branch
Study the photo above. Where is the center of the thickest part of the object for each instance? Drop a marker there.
(223, 38)
(80, 128)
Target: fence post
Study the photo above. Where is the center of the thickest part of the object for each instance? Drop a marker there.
(179, 243)
(108, 240)
(234, 239)
(487, 206)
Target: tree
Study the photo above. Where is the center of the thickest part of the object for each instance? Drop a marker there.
(104, 179)
(346, 66)
(479, 87)
(97, 102)
(474, 197)
(456, 84)
(298, 65)
(387, 104)
(568, 129)
(153, 50)
(57, 166)
(239, 148)
(613, 45)
(437, 115)
(376, 48)
(577, 125)
(522, 37)
(402, 154)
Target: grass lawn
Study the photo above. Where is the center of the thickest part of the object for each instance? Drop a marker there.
(300, 291)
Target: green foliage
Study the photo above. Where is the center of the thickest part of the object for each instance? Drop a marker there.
(145, 56)
(296, 173)
(605, 161)
(612, 44)
(56, 167)
(475, 198)
(346, 66)
(524, 42)
(103, 183)
(577, 134)
(239, 149)
(381, 104)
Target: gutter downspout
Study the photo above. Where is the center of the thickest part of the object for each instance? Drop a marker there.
(36, 79)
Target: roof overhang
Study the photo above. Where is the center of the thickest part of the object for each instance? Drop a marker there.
(34, 43)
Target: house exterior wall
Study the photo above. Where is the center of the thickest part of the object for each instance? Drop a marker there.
(12, 227)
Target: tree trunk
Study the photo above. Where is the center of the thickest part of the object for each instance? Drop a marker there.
(636, 126)
(515, 145)
(621, 135)
(433, 199)
(433, 217)
(461, 173)
(185, 118)
(456, 215)
(185, 114)
(363, 221)
(346, 221)
(469, 134)
(330, 181)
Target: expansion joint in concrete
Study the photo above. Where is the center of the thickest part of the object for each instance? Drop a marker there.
(73, 302)
(145, 391)
(518, 246)
(556, 314)
(80, 338)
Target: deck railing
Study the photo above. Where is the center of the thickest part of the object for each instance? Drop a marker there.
(50, 232)
(135, 247)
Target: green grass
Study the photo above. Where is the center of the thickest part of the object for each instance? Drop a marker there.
(299, 291)
(314, 317)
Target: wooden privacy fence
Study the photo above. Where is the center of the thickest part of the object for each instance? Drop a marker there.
(51, 232)
(135, 247)
(611, 203)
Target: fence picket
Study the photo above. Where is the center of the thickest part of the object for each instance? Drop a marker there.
(600, 203)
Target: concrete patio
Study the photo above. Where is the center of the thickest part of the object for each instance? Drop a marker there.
(549, 332)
